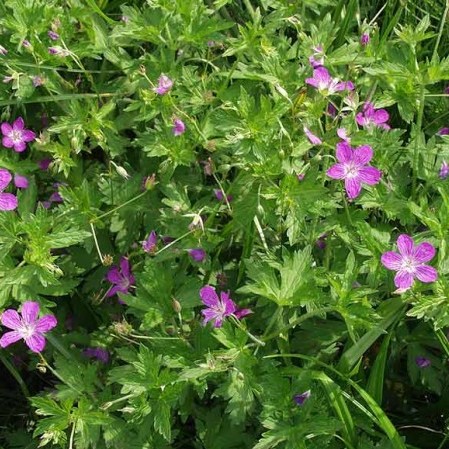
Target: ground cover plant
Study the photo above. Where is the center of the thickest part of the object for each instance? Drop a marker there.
(223, 224)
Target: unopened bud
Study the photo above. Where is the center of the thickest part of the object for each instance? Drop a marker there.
(149, 182)
(107, 260)
(176, 305)
(122, 328)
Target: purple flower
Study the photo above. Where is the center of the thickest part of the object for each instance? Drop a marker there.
(322, 81)
(443, 132)
(53, 35)
(16, 136)
(300, 176)
(219, 195)
(150, 244)
(56, 197)
(27, 326)
(410, 262)
(164, 85)
(219, 308)
(197, 254)
(444, 170)
(331, 110)
(352, 168)
(321, 241)
(3, 50)
(372, 117)
(300, 399)
(100, 354)
(314, 140)
(179, 127)
(343, 134)
(26, 43)
(364, 39)
(58, 51)
(121, 277)
(21, 182)
(422, 362)
(8, 201)
(45, 163)
(37, 80)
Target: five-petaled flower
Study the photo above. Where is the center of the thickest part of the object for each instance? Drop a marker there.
(164, 85)
(372, 117)
(410, 262)
(16, 136)
(218, 308)
(8, 201)
(28, 326)
(352, 167)
(121, 277)
(327, 85)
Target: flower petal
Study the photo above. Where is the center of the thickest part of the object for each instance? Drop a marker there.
(426, 273)
(209, 314)
(405, 245)
(18, 124)
(9, 338)
(391, 260)
(28, 136)
(21, 182)
(8, 201)
(242, 312)
(7, 142)
(11, 319)
(46, 323)
(114, 275)
(209, 296)
(369, 175)
(380, 116)
(124, 265)
(19, 147)
(337, 171)
(6, 128)
(363, 154)
(353, 187)
(361, 120)
(403, 280)
(344, 152)
(113, 291)
(312, 82)
(424, 252)
(229, 304)
(30, 312)
(35, 342)
(5, 178)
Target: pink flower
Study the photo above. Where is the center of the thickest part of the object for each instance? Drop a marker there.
(410, 262)
(197, 254)
(150, 244)
(219, 308)
(314, 140)
(53, 35)
(352, 168)
(317, 61)
(8, 201)
(164, 85)
(179, 127)
(21, 182)
(444, 170)
(16, 136)
(121, 277)
(27, 326)
(327, 85)
(443, 131)
(372, 117)
(364, 39)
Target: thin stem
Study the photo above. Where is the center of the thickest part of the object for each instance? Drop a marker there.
(119, 207)
(174, 241)
(443, 340)
(96, 242)
(440, 31)
(261, 234)
(72, 435)
(109, 404)
(348, 215)
(247, 332)
(225, 197)
(418, 139)
(146, 337)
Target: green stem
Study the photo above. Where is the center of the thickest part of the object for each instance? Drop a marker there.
(440, 31)
(418, 140)
(14, 373)
(96, 242)
(174, 241)
(250, 335)
(300, 320)
(119, 207)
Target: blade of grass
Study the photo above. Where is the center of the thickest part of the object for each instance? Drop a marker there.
(375, 385)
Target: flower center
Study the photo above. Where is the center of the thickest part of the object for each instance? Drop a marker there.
(27, 330)
(351, 170)
(408, 265)
(124, 283)
(16, 136)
